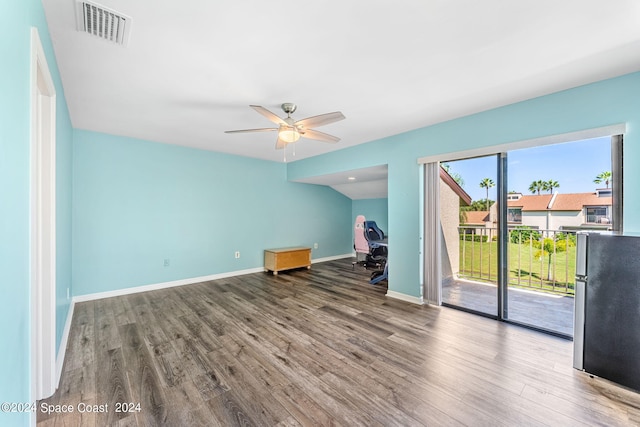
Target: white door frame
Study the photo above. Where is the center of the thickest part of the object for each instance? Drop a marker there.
(43, 224)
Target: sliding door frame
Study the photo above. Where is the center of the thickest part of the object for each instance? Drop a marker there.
(617, 182)
(503, 238)
(431, 163)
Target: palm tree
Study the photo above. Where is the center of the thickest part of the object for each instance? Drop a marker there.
(551, 184)
(603, 177)
(537, 186)
(487, 183)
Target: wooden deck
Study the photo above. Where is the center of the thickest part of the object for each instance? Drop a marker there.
(543, 310)
(318, 347)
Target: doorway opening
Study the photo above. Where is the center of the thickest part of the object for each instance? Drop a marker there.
(43, 224)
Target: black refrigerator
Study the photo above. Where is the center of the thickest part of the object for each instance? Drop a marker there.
(607, 312)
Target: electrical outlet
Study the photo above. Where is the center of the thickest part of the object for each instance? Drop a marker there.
(237, 254)
(315, 246)
(167, 262)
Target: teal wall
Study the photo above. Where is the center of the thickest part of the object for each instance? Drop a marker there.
(591, 106)
(373, 210)
(137, 203)
(16, 20)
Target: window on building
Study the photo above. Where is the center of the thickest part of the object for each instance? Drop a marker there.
(598, 215)
(604, 192)
(514, 215)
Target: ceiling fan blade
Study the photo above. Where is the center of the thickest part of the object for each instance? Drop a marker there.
(269, 115)
(251, 130)
(280, 144)
(320, 136)
(321, 120)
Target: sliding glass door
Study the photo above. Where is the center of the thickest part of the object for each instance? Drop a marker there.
(557, 190)
(469, 227)
(508, 223)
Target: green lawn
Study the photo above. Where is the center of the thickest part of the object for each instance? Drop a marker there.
(478, 260)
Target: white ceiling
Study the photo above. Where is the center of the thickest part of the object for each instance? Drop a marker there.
(365, 183)
(192, 67)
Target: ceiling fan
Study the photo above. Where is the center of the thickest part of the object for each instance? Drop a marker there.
(289, 131)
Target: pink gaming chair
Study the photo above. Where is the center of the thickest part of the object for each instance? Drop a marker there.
(360, 243)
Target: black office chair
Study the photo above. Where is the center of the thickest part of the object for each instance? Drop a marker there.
(377, 258)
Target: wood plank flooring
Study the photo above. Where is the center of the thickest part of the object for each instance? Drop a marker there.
(317, 347)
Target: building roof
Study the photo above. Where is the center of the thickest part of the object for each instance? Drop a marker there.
(448, 179)
(576, 201)
(531, 203)
(476, 217)
(559, 202)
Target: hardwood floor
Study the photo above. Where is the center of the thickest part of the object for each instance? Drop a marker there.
(317, 347)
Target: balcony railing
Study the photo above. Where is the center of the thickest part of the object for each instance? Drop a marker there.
(543, 260)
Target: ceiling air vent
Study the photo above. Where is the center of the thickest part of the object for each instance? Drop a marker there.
(102, 22)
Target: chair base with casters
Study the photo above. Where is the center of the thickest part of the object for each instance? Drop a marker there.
(361, 259)
(378, 259)
(380, 275)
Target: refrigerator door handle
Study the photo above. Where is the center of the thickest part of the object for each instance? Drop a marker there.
(582, 240)
(578, 324)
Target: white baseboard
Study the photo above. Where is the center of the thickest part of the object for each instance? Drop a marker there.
(405, 297)
(182, 282)
(332, 258)
(164, 285)
(63, 344)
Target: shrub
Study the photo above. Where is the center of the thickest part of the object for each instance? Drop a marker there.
(474, 238)
(570, 238)
(524, 233)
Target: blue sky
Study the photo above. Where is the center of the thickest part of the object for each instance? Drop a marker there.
(573, 164)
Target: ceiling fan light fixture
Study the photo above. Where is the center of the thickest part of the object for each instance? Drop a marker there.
(288, 134)
(291, 130)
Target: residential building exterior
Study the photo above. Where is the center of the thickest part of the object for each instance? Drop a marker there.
(573, 211)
